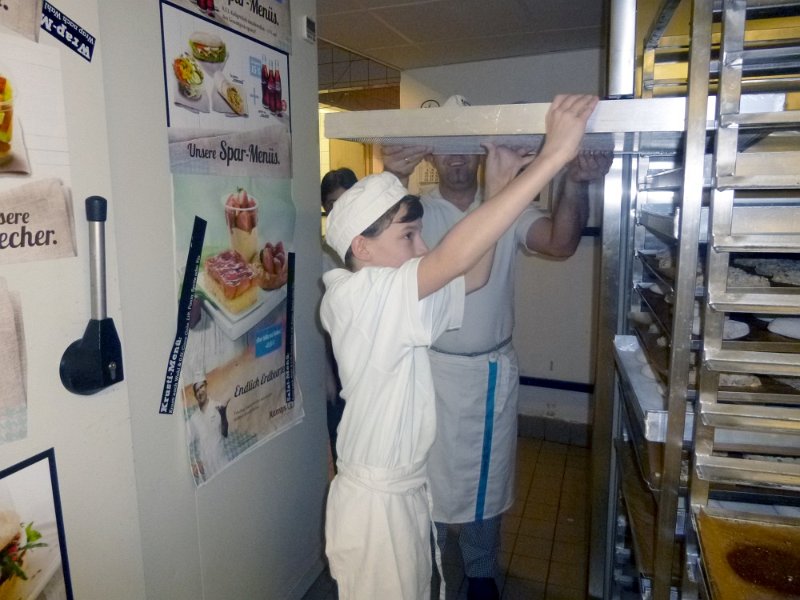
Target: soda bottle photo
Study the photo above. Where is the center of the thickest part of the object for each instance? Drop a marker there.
(264, 83)
(278, 93)
(271, 90)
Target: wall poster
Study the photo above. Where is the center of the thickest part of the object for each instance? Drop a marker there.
(228, 113)
(33, 550)
(264, 20)
(36, 216)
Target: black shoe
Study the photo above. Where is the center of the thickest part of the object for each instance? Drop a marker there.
(482, 588)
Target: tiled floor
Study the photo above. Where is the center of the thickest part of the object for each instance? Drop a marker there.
(544, 551)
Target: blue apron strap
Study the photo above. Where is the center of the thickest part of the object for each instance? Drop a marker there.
(488, 430)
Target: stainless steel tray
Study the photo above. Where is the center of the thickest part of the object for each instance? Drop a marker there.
(724, 534)
(644, 398)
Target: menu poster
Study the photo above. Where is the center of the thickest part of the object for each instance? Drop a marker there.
(228, 106)
(236, 376)
(230, 140)
(265, 20)
(36, 215)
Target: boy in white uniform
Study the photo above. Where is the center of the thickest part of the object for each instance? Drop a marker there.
(382, 317)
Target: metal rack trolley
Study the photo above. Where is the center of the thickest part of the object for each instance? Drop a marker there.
(730, 191)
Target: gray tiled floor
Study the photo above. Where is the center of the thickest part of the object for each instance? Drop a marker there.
(545, 539)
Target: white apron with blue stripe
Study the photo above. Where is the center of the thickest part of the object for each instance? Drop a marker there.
(471, 465)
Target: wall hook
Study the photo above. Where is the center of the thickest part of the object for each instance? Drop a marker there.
(94, 361)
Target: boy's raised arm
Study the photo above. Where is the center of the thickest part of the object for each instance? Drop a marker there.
(473, 236)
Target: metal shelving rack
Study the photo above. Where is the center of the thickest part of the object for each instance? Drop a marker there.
(731, 190)
(745, 179)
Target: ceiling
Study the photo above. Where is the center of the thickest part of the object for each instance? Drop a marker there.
(410, 34)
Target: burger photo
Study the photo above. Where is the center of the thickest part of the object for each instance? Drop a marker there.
(207, 47)
(16, 540)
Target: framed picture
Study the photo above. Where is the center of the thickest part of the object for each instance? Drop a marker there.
(33, 551)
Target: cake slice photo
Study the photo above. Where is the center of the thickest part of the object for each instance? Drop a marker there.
(230, 281)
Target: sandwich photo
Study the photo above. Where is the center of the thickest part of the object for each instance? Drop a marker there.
(207, 47)
(16, 540)
(231, 281)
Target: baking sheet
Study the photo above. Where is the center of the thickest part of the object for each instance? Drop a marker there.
(725, 538)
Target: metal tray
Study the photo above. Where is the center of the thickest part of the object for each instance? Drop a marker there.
(727, 537)
(645, 402)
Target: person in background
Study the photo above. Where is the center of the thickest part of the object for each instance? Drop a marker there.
(394, 299)
(475, 369)
(334, 184)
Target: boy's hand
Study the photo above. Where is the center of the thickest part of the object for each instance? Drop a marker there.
(566, 124)
(402, 160)
(502, 165)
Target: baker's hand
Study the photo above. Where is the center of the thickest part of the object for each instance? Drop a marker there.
(402, 160)
(589, 165)
(503, 164)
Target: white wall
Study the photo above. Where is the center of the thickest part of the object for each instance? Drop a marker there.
(135, 526)
(523, 79)
(256, 529)
(555, 300)
(91, 434)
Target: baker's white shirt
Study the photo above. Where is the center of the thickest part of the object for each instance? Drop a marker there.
(489, 311)
(380, 333)
(378, 512)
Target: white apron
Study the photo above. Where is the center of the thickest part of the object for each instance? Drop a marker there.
(370, 515)
(471, 464)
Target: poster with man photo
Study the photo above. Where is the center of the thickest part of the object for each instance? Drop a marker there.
(230, 155)
(236, 377)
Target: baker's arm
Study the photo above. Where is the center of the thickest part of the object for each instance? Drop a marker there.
(558, 235)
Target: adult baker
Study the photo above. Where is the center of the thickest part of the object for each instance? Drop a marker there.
(475, 368)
